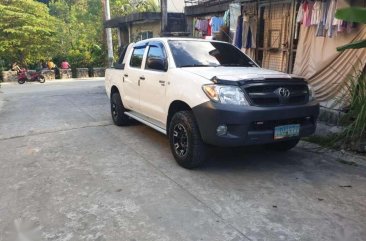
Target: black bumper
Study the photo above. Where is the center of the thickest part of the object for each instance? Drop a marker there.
(251, 125)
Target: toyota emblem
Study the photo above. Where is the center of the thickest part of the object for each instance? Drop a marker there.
(283, 92)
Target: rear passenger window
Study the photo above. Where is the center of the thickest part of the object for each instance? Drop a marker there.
(136, 58)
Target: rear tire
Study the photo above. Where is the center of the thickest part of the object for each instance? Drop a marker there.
(118, 111)
(283, 146)
(185, 140)
(41, 79)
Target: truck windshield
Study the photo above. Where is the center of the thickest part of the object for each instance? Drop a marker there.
(189, 53)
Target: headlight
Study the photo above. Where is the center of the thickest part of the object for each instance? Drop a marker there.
(225, 94)
(311, 93)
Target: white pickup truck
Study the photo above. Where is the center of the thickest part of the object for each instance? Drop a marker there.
(202, 93)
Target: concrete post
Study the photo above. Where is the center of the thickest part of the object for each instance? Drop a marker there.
(109, 34)
(164, 16)
(119, 37)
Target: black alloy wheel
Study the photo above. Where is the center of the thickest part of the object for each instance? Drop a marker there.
(180, 140)
(185, 140)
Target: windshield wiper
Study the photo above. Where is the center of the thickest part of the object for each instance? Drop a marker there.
(197, 65)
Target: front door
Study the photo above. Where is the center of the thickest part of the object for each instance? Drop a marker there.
(153, 84)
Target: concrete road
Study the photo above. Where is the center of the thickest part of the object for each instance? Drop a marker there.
(67, 173)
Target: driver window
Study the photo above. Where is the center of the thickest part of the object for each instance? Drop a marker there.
(155, 53)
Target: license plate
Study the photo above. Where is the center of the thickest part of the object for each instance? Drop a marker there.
(286, 131)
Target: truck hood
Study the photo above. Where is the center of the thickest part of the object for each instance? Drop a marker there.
(235, 73)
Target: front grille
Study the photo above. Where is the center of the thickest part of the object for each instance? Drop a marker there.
(267, 93)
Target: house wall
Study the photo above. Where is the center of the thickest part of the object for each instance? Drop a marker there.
(176, 6)
(137, 28)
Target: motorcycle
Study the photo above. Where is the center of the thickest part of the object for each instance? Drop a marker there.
(24, 76)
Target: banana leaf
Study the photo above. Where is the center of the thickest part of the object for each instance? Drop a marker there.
(352, 14)
(355, 45)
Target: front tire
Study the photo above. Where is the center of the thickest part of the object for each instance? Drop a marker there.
(185, 140)
(118, 111)
(283, 146)
(21, 81)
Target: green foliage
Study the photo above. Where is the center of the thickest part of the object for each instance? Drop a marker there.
(62, 29)
(355, 45)
(27, 31)
(352, 14)
(355, 118)
(125, 7)
(82, 31)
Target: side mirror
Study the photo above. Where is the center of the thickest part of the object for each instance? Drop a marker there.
(156, 64)
(118, 66)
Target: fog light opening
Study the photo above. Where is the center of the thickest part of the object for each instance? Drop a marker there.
(221, 130)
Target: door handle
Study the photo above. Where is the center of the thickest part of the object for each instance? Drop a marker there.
(142, 77)
(126, 75)
(162, 82)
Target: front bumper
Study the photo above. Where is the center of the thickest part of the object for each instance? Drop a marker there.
(251, 125)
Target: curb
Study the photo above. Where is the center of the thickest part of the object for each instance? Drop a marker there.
(60, 80)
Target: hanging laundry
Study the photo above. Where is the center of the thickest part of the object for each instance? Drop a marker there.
(320, 31)
(238, 40)
(317, 13)
(341, 25)
(204, 26)
(195, 30)
(235, 12)
(300, 14)
(201, 26)
(249, 31)
(308, 10)
(197, 24)
(249, 41)
(330, 18)
(209, 29)
(216, 23)
(227, 18)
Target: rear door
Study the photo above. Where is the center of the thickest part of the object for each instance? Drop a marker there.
(132, 77)
(153, 85)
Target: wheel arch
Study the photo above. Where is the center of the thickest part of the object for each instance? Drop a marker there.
(175, 107)
(114, 89)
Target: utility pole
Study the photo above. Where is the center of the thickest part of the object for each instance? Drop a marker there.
(107, 16)
(164, 16)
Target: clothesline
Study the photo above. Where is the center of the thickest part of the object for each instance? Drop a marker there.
(208, 25)
(321, 14)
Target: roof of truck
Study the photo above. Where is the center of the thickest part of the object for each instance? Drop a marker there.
(166, 39)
